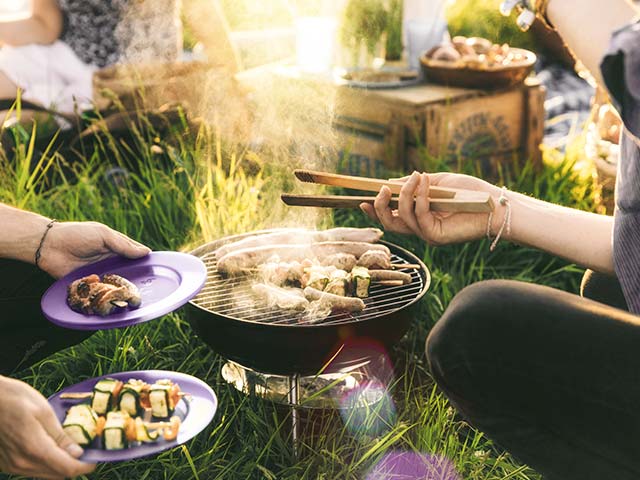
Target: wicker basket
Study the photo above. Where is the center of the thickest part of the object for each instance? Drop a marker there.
(455, 75)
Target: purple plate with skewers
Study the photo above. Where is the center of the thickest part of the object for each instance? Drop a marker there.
(166, 280)
(195, 410)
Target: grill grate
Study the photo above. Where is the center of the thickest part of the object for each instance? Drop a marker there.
(232, 297)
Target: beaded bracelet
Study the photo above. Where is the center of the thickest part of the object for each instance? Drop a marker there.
(44, 235)
(506, 223)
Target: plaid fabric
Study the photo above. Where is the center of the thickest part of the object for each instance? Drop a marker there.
(105, 32)
(621, 72)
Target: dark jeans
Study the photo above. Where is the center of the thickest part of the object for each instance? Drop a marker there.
(25, 335)
(552, 377)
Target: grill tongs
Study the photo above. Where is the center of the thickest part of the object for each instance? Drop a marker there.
(442, 199)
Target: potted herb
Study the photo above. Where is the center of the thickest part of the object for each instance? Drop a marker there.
(363, 32)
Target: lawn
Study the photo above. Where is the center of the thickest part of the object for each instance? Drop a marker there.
(187, 186)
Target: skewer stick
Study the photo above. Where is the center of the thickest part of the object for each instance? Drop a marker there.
(157, 425)
(85, 395)
(413, 266)
(390, 283)
(76, 395)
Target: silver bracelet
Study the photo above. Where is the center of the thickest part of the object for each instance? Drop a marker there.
(506, 222)
(44, 236)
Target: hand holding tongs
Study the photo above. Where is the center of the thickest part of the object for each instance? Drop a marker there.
(442, 199)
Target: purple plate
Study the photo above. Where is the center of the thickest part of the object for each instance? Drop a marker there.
(167, 280)
(195, 413)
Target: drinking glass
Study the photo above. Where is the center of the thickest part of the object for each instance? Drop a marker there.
(423, 36)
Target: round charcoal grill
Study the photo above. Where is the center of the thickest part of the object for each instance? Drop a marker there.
(228, 317)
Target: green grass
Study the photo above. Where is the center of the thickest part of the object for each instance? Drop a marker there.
(192, 187)
(481, 18)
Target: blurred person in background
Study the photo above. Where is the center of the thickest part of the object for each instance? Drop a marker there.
(53, 55)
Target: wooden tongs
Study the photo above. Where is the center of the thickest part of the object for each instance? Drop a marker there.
(442, 199)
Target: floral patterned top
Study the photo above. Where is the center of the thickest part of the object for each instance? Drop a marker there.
(105, 32)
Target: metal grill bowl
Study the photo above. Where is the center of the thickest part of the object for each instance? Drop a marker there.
(227, 318)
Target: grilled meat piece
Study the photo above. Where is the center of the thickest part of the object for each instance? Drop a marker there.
(335, 302)
(384, 275)
(342, 261)
(285, 298)
(300, 236)
(90, 295)
(133, 294)
(79, 292)
(239, 261)
(375, 259)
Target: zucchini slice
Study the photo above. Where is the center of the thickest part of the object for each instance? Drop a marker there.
(104, 395)
(161, 400)
(130, 398)
(361, 281)
(80, 424)
(316, 278)
(114, 435)
(338, 283)
(143, 434)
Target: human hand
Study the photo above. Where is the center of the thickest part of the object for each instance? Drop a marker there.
(70, 245)
(32, 441)
(436, 228)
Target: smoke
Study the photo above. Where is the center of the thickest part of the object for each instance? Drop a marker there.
(271, 116)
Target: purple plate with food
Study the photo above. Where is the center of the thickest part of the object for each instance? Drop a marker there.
(163, 281)
(193, 411)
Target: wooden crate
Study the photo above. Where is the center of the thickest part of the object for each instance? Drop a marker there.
(393, 129)
(378, 130)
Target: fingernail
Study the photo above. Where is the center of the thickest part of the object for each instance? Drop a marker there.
(74, 450)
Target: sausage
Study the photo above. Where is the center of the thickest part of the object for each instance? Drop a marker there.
(288, 299)
(375, 259)
(324, 249)
(335, 302)
(381, 275)
(239, 261)
(134, 299)
(346, 234)
(275, 238)
(301, 236)
(342, 261)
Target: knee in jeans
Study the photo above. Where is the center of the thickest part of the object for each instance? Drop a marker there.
(472, 316)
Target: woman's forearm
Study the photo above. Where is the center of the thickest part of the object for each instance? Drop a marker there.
(44, 27)
(581, 237)
(209, 26)
(20, 233)
(586, 26)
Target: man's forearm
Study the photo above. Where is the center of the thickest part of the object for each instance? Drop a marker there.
(580, 237)
(586, 26)
(20, 233)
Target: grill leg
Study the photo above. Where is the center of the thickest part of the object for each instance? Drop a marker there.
(294, 401)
